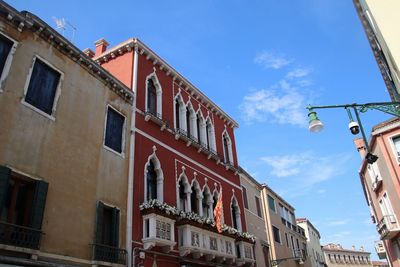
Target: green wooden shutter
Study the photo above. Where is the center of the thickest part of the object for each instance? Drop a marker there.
(99, 222)
(38, 204)
(4, 180)
(115, 227)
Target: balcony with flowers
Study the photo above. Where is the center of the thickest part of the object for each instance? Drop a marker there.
(198, 236)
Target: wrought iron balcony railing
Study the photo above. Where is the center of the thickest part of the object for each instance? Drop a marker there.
(157, 118)
(20, 236)
(109, 254)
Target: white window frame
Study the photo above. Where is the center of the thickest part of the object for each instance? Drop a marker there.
(385, 205)
(229, 143)
(393, 146)
(182, 112)
(7, 63)
(122, 154)
(58, 89)
(211, 134)
(279, 233)
(153, 76)
(160, 177)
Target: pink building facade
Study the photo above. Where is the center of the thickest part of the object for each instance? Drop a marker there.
(184, 157)
(381, 185)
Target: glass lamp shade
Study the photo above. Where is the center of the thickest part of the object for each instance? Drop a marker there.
(315, 124)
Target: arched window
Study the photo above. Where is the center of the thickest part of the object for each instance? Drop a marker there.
(226, 149)
(210, 135)
(198, 125)
(151, 181)
(235, 213)
(227, 146)
(151, 97)
(207, 203)
(195, 198)
(177, 114)
(182, 196)
(188, 124)
(180, 113)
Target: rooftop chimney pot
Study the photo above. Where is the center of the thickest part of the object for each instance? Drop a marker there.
(101, 46)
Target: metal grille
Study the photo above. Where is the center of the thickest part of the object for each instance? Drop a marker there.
(20, 236)
(163, 230)
(109, 254)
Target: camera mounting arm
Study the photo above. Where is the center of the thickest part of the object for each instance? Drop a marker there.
(392, 108)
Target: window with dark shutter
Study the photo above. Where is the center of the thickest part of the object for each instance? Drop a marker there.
(198, 129)
(246, 203)
(258, 206)
(188, 126)
(114, 130)
(5, 48)
(22, 204)
(42, 87)
(107, 230)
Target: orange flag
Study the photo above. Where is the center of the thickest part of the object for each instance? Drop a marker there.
(218, 212)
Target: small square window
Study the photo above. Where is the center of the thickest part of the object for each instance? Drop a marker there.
(277, 235)
(114, 130)
(42, 87)
(271, 203)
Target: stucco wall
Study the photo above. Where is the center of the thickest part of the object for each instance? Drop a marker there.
(66, 152)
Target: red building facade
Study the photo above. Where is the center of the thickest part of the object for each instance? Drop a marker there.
(184, 156)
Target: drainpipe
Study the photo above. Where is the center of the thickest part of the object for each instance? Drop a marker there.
(131, 161)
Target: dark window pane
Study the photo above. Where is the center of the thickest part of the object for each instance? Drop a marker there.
(42, 87)
(246, 203)
(258, 206)
(114, 129)
(151, 182)
(151, 97)
(226, 150)
(5, 47)
(188, 122)
(177, 107)
(277, 237)
(271, 203)
(193, 200)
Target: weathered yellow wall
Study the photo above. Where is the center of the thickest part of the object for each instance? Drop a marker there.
(68, 152)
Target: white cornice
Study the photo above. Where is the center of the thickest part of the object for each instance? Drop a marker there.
(169, 70)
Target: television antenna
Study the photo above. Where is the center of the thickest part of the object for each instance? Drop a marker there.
(63, 25)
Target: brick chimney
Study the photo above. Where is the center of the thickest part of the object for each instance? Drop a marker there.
(101, 46)
(89, 52)
(359, 143)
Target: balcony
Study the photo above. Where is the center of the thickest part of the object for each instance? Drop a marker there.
(377, 183)
(380, 249)
(388, 227)
(156, 118)
(198, 242)
(299, 255)
(109, 254)
(245, 254)
(19, 236)
(158, 231)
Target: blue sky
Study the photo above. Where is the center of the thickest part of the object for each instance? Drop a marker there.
(263, 61)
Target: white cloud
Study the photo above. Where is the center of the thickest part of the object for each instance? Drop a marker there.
(283, 107)
(272, 61)
(284, 102)
(305, 170)
(321, 191)
(298, 73)
(338, 222)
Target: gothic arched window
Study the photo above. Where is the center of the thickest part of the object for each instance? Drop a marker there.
(151, 181)
(151, 97)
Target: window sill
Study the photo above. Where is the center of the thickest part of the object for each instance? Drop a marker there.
(51, 117)
(122, 155)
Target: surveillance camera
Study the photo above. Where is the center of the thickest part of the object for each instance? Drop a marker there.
(354, 127)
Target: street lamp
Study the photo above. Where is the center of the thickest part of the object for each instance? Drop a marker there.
(392, 108)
